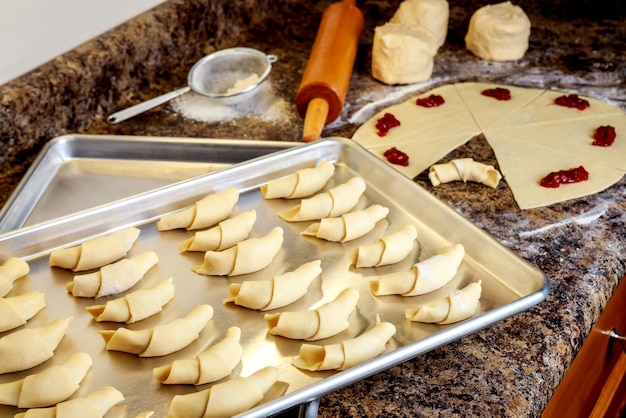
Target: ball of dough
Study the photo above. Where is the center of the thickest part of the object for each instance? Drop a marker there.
(403, 54)
(498, 32)
(432, 14)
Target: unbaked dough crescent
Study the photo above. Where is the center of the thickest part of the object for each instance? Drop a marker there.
(225, 399)
(464, 169)
(94, 405)
(335, 202)
(135, 306)
(459, 305)
(162, 339)
(246, 257)
(348, 353)
(96, 252)
(302, 183)
(388, 249)
(49, 387)
(209, 366)
(426, 276)
(205, 213)
(274, 293)
(10, 271)
(349, 226)
(315, 324)
(15, 311)
(113, 278)
(222, 236)
(28, 347)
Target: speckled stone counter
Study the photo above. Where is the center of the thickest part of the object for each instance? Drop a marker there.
(509, 369)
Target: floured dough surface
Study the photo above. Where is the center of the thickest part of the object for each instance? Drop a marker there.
(498, 32)
(432, 14)
(530, 134)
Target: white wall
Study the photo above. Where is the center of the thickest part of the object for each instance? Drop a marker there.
(34, 31)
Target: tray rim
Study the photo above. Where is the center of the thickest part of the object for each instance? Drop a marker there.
(22, 201)
(399, 355)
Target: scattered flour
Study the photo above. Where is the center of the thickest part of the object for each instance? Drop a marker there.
(264, 105)
(582, 219)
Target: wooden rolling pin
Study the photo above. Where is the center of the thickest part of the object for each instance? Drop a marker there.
(326, 78)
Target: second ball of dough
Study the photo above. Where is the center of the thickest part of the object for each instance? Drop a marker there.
(498, 32)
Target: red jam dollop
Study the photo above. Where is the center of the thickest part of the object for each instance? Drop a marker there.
(395, 156)
(384, 124)
(556, 178)
(433, 100)
(604, 136)
(497, 93)
(573, 101)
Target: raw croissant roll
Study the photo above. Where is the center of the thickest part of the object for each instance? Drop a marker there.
(96, 252)
(10, 271)
(327, 320)
(426, 276)
(247, 256)
(114, 278)
(302, 183)
(348, 353)
(15, 311)
(162, 339)
(135, 306)
(464, 169)
(330, 204)
(205, 213)
(225, 399)
(28, 347)
(276, 292)
(348, 226)
(49, 387)
(209, 366)
(388, 249)
(94, 405)
(225, 235)
(460, 305)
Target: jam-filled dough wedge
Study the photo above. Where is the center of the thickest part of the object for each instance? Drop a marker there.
(135, 306)
(96, 252)
(348, 226)
(464, 169)
(300, 184)
(94, 405)
(209, 366)
(113, 278)
(459, 305)
(388, 249)
(162, 339)
(29, 347)
(335, 202)
(348, 353)
(426, 276)
(225, 399)
(16, 310)
(274, 293)
(246, 257)
(49, 387)
(314, 324)
(10, 271)
(222, 236)
(204, 213)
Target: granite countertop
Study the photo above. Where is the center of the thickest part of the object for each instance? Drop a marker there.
(508, 369)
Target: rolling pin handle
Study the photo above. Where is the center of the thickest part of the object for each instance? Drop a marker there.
(314, 120)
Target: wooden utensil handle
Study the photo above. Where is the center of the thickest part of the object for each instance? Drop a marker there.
(329, 68)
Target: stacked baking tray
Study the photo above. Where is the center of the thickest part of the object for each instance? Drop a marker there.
(510, 284)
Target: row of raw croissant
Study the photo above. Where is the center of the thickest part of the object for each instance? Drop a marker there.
(298, 213)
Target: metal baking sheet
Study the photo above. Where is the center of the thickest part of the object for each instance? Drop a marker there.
(510, 284)
(77, 172)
